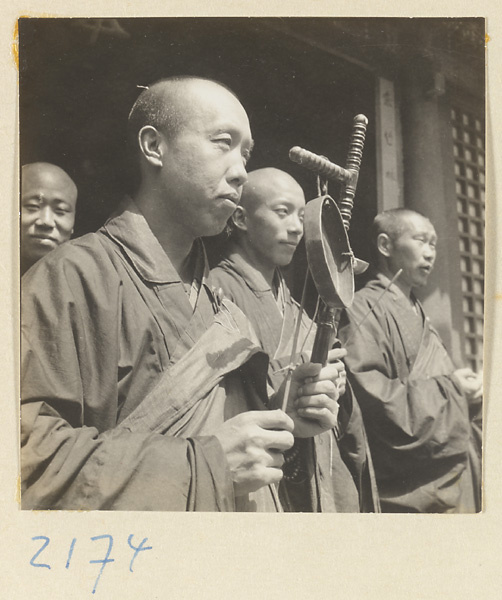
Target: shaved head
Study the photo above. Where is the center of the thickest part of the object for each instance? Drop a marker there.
(392, 222)
(267, 226)
(42, 171)
(192, 140)
(405, 241)
(169, 107)
(166, 105)
(265, 183)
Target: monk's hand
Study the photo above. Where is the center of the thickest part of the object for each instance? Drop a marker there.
(254, 443)
(313, 399)
(470, 383)
(335, 357)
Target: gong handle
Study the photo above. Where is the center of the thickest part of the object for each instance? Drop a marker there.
(325, 334)
(319, 164)
(354, 158)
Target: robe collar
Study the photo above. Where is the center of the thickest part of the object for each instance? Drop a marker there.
(396, 293)
(252, 276)
(130, 230)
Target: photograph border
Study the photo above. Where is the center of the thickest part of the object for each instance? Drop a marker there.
(239, 555)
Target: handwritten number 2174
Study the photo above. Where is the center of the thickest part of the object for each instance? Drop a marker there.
(103, 561)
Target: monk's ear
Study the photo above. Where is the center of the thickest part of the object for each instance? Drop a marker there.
(384, 244)
(239, 219)
(150, 144)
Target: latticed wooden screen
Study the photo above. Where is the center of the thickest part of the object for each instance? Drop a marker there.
(469, 153)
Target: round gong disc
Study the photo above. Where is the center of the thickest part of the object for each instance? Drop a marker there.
(328, 252)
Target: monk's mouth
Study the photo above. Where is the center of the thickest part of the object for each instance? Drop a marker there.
(44, 239)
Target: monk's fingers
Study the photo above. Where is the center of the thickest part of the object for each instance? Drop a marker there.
(264, 457)
(336, 354)
(247, 422)
(306, 372)
(273, 475)
(269, 419)
(326, 417)
(331, 371)
(465, 372)
(470, 384)
(337, 371)
(254, 452)
(259, 441)
(255, 477)
(326, 387)
(276, 441)
(478, 394)
(317, 401)
(341, 382)
(276, 458)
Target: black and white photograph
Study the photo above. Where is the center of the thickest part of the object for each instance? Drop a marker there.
(251, 272)
(252, 371)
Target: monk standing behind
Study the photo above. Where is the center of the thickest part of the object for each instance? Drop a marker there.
(267, 227)
(422, 415)
(48, 202)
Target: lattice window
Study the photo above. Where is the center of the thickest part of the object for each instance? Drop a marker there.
(469, 153)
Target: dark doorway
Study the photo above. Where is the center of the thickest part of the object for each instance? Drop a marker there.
(79, 78)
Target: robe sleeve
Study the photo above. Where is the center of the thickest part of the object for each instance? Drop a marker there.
(420, 423)
(70, 357)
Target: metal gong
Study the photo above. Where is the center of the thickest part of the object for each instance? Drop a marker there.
(329, 255)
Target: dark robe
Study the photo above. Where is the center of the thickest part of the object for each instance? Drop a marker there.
(342, 472)
(108, 329)
(424, 438)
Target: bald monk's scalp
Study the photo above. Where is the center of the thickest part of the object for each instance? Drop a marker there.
(39, 171)
(166, 105)
(264, 183)
(393, 222)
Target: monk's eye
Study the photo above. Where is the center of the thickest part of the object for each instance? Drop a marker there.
(224, 140)
(282, 212)
(31, 207)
